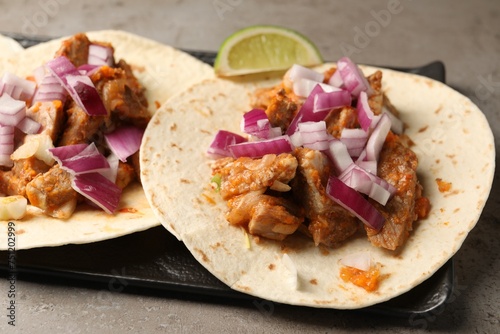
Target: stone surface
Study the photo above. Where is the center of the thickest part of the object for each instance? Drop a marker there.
(465, 35)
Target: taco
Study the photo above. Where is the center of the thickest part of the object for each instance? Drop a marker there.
(447, 133)
(140, 75)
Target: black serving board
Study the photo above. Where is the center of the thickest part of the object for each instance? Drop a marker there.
(155, 262)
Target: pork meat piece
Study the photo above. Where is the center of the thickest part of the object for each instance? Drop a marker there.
(76, 49)
(14, 181)
(125, 104)
(81, 128)
(50, 115)
(397, 165)
(329, 223)
(376, 99)
(282, 109)
(339, 119)
(52, 192)
(245, 174)
(132, 82)
(264, 215)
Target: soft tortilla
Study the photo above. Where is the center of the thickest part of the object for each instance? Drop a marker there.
(164, 71)
(452, 140)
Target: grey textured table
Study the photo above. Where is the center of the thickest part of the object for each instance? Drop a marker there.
(465, 35)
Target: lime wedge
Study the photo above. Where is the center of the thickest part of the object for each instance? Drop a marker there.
(264, 48)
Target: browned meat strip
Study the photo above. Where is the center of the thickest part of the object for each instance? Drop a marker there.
(397, 165)
(52, 192)
(376, 100)
(76, 49)
(14, 181)
(50, 115)
(81, 127)
(268, 216)
(329, 223)
(132, 82)
(124, 103)
(282, 109)
(246, 174)
(339, 119)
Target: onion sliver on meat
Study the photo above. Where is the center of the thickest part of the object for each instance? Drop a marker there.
(124, 141)
(78, 86)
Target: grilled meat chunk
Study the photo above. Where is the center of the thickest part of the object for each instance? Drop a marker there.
(397, 165)
(81, 128)
(52, 192)
(122, 95)
(376, 99)
(281, 110)
(121, 102)
(268, 216)
(50, 115)
(14, 181)
(76, 49)
(343, 118)
(329, 223)
(132, 82)
(246, 174)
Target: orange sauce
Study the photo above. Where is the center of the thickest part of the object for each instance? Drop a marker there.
(127, 210)
(422, 207)
(368, 280)
(443, 186)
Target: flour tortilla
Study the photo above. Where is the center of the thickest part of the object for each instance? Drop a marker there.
(164, 72)
(452, 140)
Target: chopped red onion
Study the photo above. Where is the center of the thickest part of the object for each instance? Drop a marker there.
(303, 87)
(39, 73)
(336, 80)
(6, 148)
(88, 69)
(368, 165)
(6, 145)
(222, 140)
(330, 100)
(339, 155)
(355, 203)
(312, 135)
(355, 140)
(124, 141)
(80, 87)
(257, 149)
(100, 55)
(12, 111)
(256, 123)
(365, 113)
(112, 172)
(98, 189)
(80, 158)
(85, 95)
(367, 183)
(305, 113)
(29, 126)
(49, 89)
(297, 72)
(352, 77)
(18, 88)
(377, 138)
